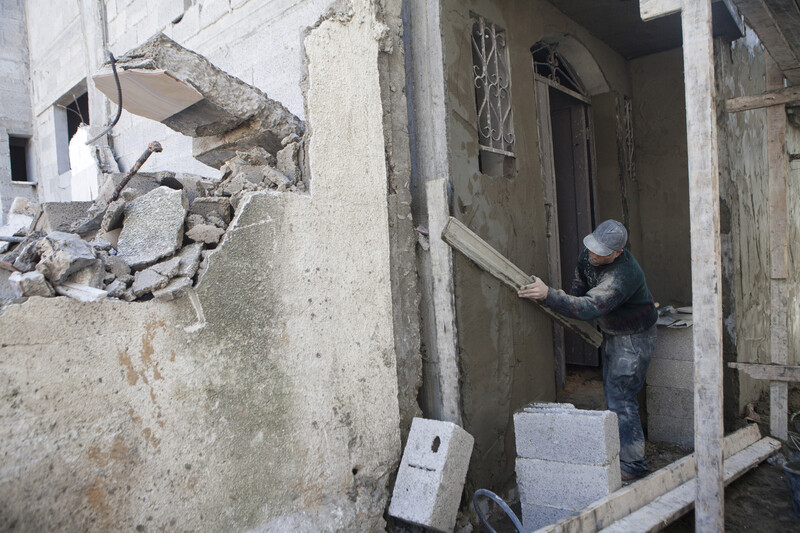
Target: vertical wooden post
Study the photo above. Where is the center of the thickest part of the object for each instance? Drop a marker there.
(701, 127)
(778, 260)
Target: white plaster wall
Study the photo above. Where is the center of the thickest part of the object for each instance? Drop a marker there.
(15, 100)
(273, 410)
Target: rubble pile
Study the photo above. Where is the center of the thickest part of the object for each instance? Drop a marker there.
(149, 243)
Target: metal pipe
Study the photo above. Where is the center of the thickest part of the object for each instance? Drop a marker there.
(119, 101)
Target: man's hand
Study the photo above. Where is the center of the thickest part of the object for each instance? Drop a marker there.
(535, 291)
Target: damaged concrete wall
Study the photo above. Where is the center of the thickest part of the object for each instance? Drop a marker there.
(227, 32)
(505, 346)
(744, 217)
(266, 401)
(15, 101)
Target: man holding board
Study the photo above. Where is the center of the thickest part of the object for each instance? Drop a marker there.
(610, 287)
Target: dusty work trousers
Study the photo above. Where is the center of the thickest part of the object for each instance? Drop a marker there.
(625, 361)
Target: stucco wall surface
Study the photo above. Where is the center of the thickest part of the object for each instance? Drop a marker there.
(268, 401)
(659, 132)
(505, 345)
(744, 213)
(15, 100)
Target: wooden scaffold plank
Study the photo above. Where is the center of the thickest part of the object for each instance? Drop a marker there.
(460, 237)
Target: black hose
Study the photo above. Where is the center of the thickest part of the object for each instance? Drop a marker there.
(499, 501)
(119, 101)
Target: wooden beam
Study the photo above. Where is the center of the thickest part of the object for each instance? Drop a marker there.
(778, 172)
(653, 9)
(701, 133)
(672, 505)
(761, 19)
(770, 98)
(769, 372)
(616, 506)
(460, 237)
(444, 305)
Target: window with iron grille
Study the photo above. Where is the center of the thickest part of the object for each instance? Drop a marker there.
(492, 88)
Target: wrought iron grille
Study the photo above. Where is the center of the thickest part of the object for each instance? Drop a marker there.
(549, 63)
(492, 87)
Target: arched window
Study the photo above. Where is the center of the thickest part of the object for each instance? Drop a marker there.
(550, 64)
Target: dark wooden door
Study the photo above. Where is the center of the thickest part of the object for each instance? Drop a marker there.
(569, 119)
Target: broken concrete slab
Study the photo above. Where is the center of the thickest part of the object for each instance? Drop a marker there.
(168, 268)
(12, 256)
(117, 266)
(114, 215)
(263, 131)
(91, 276)
(81, 293)
(227, 101)
(177, 288)
(63, 254)
(194, 220)
(431, 475)
(59, 216)
(205, 233)
(153, 227)
(190, 259)
(194, 186)
(30, 284)
(28, 257)
(147, 281)
(115, 289)
(275, 179)
(291, 160)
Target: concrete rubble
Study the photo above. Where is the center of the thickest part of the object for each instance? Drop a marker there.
(147, 244)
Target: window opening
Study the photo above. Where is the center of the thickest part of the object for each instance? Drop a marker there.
(492, 82)
(18, 148)
(77, 114)
(551, 65)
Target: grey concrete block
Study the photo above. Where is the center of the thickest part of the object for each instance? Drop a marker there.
(674, 343)
(565, 485)
(431, 475)
(663, 428)
(670, 401)
(671, 373)
(59, 216)
(567, 435)
(537, 516)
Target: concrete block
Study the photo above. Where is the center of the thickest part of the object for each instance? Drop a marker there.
(431, 475)
(537, 516)
(547, 405)
(663, 428)
(565, 485)
(671, 373)
(674, 343)
(670, 401)
(567, 435)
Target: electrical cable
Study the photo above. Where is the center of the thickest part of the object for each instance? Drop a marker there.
(119, 101)
(503, 505)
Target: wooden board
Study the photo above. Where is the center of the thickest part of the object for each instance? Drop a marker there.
(704, 222)
(672, 505)
(769, 372)
(460, 237)
(771, 98)
(603, 513)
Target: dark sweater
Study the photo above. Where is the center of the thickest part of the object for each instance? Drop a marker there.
(615, 294)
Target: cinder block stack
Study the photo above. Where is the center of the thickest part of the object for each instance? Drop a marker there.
(431, 475)
(670, 388)
(567, 458)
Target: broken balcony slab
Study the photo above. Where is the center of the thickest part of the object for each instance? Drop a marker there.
(160, 74)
